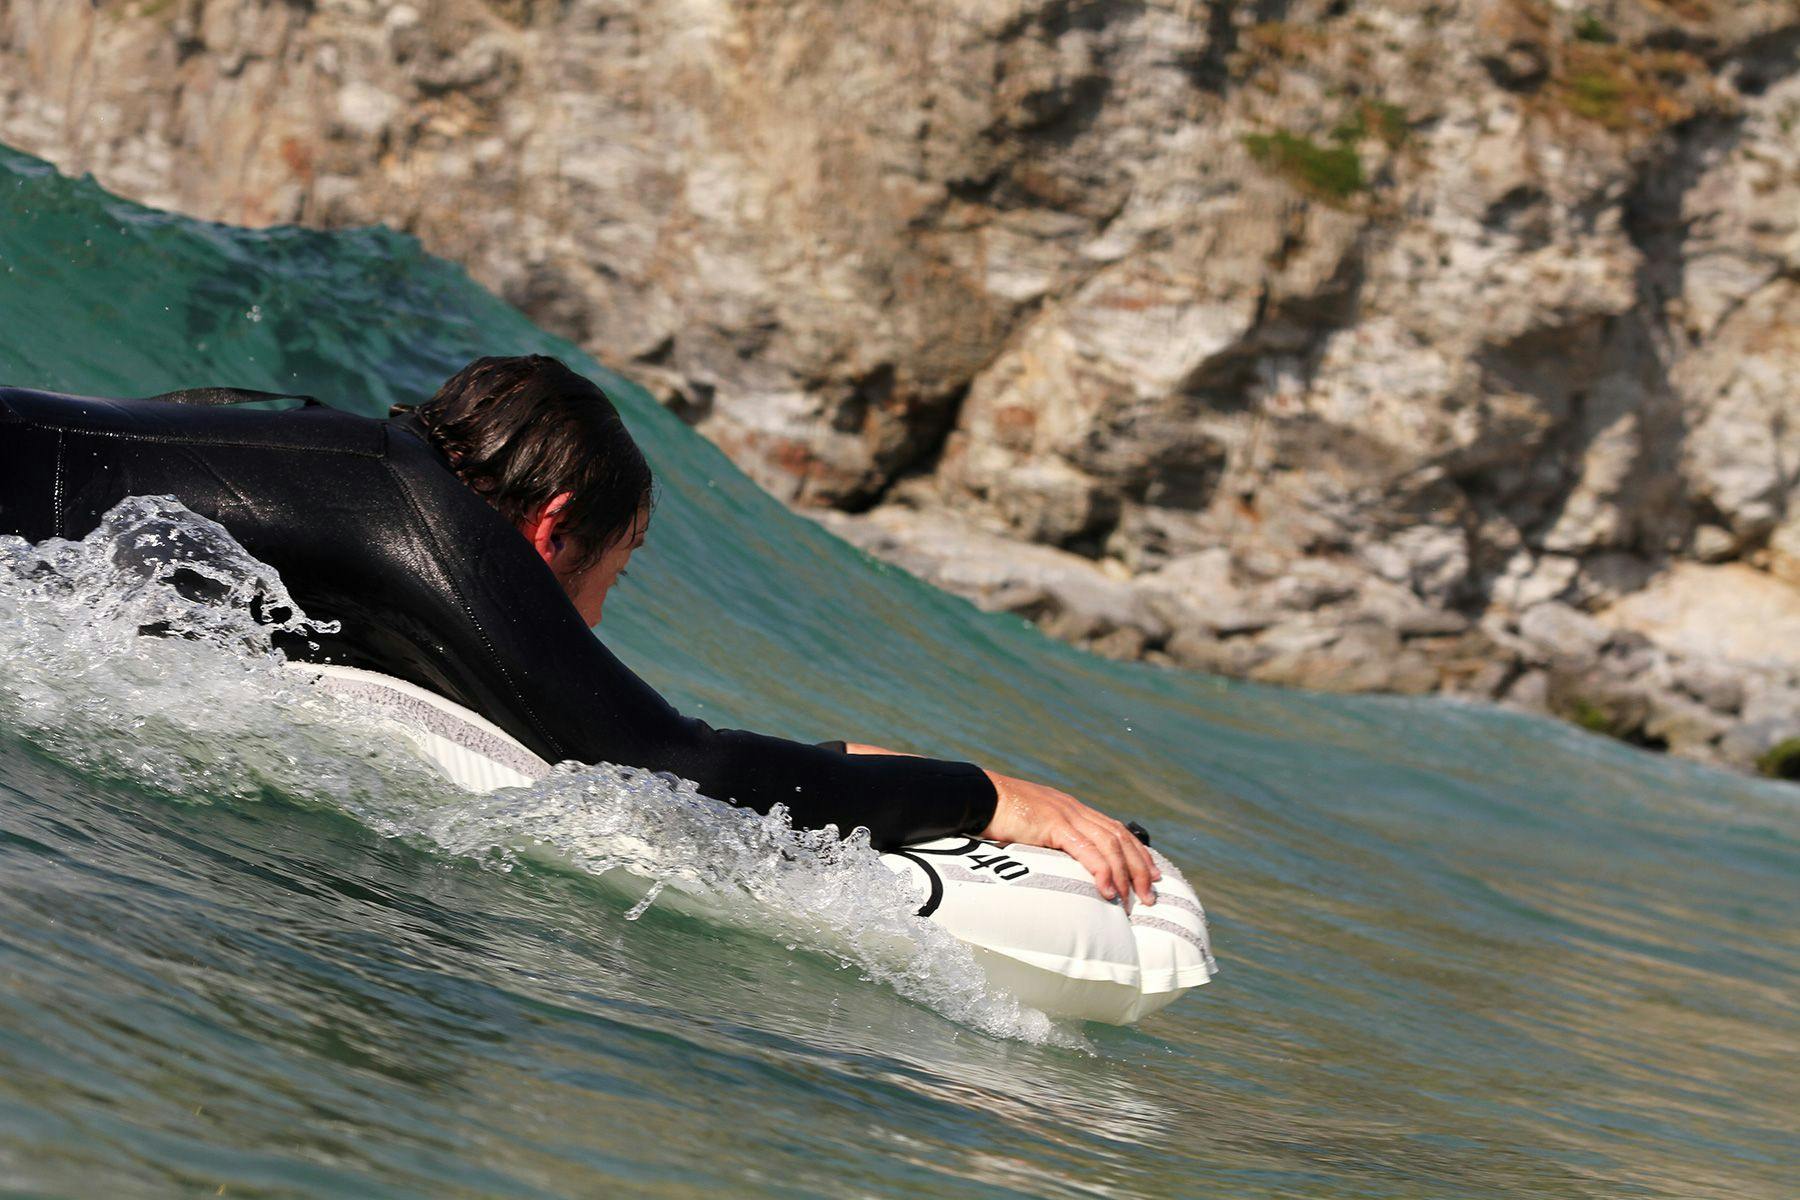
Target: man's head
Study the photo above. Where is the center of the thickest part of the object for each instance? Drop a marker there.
(547, 448)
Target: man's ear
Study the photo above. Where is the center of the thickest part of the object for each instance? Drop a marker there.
(544, 530)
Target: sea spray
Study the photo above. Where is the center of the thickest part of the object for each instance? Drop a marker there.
(659, 836)
(202, 710)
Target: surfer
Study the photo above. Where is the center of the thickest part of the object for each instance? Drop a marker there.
(468, 546)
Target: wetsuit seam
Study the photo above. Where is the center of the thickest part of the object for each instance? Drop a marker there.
(424, 529)
(56, 490)
(172, 439)
(201, 464)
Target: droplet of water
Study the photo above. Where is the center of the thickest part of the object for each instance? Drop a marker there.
(643, 906)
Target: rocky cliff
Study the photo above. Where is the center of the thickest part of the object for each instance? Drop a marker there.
(1399, 345)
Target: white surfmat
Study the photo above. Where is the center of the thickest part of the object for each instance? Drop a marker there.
(1037, 924)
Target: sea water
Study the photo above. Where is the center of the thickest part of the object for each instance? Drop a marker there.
(251, 947)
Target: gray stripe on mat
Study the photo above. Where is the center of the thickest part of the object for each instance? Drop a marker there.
(435, 720)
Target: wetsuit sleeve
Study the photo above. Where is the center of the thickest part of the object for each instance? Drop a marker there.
(500, 636)
(898, 799)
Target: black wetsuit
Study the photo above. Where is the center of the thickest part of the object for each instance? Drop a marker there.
(368, 526)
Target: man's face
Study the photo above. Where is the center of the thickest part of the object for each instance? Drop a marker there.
(587, 586)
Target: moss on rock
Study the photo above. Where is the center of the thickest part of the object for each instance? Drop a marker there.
(1331, 172)
(1624, 89)
(1782, 760)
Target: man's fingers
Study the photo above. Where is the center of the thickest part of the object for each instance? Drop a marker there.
(1033, 814)
(1140, 864)
(1115, 862)
(1137, 860)
(1133, 877)
(1087, 853)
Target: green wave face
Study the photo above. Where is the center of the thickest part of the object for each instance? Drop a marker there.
(242, 945)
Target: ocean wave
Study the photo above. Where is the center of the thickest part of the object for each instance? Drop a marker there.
(145, 652)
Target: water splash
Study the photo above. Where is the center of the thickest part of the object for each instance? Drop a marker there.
(202, 713)
(208, 712)
(809, 888)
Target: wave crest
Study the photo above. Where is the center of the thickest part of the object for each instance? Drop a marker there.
(207, 712)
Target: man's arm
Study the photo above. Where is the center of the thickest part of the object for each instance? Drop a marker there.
(487, 624)
(898, 798)
(1038, 815)
(490, 627)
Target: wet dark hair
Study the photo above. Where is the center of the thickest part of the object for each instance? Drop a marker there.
(521, 431)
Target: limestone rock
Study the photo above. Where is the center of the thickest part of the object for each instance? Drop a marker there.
(1385, 345)
(1690, 730)
(1563, 632)
(1712, 684)
(1727, 614)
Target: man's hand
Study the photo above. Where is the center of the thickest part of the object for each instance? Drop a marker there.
(1036, 815)
(1042, 816)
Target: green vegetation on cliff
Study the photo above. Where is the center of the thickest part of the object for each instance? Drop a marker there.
(1331, 172)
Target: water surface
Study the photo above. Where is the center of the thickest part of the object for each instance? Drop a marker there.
(1464, 953)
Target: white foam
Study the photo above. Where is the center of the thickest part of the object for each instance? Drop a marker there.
(210, 715)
